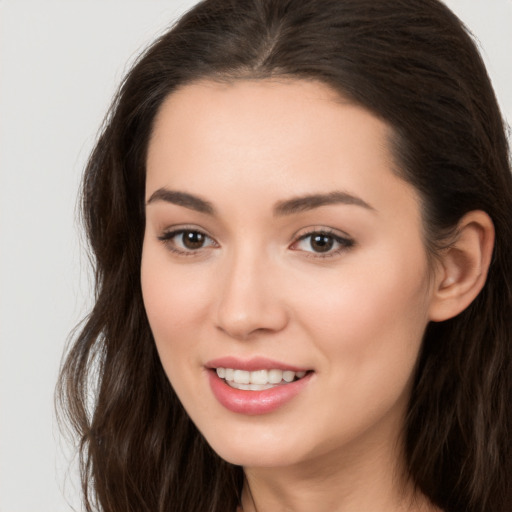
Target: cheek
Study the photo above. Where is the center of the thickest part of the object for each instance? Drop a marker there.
(175, 299)
(367, 327)
(370, 316)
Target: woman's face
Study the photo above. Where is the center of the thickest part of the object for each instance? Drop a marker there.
(280, 245)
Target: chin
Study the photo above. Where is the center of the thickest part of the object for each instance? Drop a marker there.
(259, 450)
(252, 458)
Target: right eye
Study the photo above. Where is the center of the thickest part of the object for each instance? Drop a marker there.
(186, 241)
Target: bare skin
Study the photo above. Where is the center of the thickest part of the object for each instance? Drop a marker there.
(251, 281)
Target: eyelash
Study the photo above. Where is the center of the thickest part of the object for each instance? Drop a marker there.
(344, 243)
(167, 239)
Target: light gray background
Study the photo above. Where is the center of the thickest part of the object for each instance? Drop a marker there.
(60, 62)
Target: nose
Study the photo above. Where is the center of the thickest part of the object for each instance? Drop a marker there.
(250, 299)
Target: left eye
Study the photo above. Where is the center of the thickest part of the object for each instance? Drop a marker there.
(322, 243)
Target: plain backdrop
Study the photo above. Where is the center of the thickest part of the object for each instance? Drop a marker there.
(60, 62)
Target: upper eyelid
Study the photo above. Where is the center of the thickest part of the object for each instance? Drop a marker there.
(311, 230)
(343, 240)
(181, 228)
(345, 244)
(170, 232)
(166, 238)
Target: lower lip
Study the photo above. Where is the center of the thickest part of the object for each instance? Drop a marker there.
(255, 402)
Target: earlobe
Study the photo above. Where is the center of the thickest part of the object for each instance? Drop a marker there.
(463, 267)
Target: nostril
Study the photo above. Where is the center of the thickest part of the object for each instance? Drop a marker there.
(246, 310)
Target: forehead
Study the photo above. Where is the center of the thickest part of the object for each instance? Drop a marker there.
(269, 138)
(252, 112)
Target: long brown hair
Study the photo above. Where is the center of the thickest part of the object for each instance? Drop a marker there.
(413, 64)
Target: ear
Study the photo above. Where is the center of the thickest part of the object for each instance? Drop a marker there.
(463, 267)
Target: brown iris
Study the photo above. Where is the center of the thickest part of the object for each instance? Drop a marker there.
(193, 239)
(321, 243)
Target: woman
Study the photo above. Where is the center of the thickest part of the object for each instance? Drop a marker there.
(300, 214)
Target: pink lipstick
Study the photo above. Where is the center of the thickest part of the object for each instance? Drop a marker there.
(255, 386)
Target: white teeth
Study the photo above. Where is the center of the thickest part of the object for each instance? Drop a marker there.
(249, 387)
(259, 379)
(242, 377)
(288, 376)
(275, 376)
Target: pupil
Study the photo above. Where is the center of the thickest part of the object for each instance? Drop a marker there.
(322, 243)
(193, 239)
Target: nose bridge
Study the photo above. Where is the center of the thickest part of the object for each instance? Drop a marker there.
(248, 299)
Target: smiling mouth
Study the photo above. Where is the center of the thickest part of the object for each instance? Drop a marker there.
(258, 380)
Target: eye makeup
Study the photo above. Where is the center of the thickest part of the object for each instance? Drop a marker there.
(319, 242)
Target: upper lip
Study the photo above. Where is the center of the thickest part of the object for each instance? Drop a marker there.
(253, 364)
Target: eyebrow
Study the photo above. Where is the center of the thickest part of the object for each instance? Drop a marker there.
(309, 202)
(282, 208)
(182, 199)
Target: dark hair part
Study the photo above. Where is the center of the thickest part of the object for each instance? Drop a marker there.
(413, 64)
